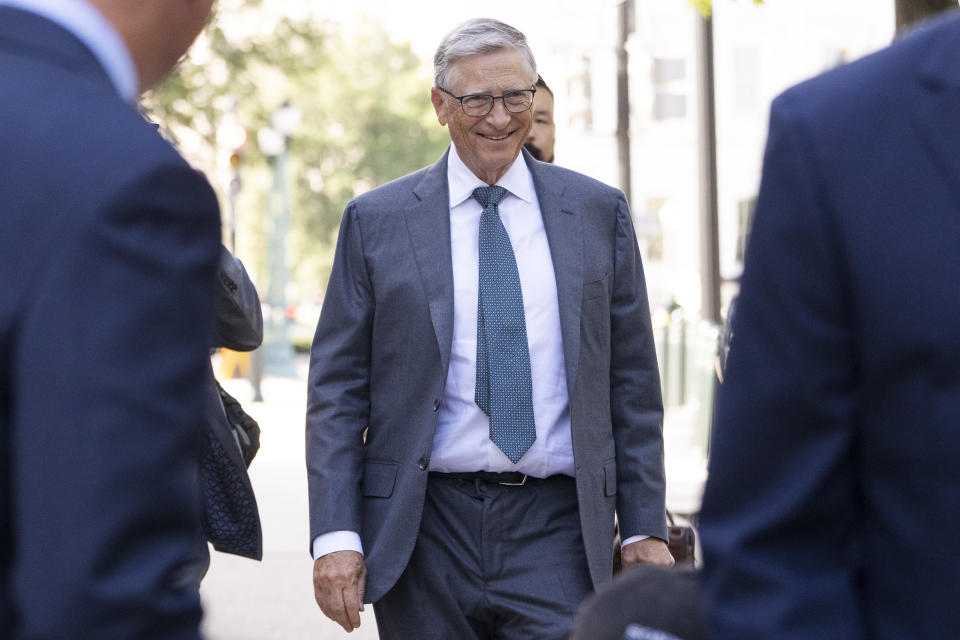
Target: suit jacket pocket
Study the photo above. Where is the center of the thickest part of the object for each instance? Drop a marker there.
(610, 477)
(379, 478)
(596, 289)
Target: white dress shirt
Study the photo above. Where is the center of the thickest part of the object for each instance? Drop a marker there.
(85, 22)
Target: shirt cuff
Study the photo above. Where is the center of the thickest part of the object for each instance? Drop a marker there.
(332, 541)
(623, 543)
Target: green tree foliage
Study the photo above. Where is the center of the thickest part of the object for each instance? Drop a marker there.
(367, 119)
(706, 6)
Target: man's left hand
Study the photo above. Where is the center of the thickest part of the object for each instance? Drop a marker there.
(647, 551)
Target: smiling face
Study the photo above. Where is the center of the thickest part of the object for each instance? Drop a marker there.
(487, 145)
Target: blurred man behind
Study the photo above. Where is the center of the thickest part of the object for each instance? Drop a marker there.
(543, 132)
(107, 261)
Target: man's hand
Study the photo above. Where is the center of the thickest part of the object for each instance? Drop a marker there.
(339, 581)
(647, 551)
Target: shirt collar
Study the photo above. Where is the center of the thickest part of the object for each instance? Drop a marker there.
(85, 22)
(462, 181)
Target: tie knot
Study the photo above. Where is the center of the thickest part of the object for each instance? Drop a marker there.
(489, 196)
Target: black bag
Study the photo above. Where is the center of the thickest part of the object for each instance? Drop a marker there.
(681, 541)
(246, 428)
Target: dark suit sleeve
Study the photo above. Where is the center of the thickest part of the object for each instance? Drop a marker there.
(779, 503)
(239, 318)
(635, 402)
(338, 394)
(110, 360)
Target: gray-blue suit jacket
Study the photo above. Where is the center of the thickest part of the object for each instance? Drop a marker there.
(382, 346)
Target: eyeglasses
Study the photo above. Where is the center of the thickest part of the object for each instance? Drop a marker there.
(478, 105)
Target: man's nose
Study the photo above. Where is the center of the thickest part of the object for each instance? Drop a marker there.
(498, 116)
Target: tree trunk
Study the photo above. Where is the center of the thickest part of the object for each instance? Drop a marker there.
(912, 11)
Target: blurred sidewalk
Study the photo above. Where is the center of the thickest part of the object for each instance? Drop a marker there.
(273, 599)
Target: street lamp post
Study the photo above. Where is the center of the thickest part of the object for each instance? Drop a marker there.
(274, 143)
(707, 116)
(231, 138)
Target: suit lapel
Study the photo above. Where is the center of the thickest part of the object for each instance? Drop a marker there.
(938, 114)
(563, 223)
(428, 223)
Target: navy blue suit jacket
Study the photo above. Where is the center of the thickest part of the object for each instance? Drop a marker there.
(831, 510)
(107, 258)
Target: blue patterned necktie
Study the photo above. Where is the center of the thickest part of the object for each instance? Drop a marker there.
(504, 389)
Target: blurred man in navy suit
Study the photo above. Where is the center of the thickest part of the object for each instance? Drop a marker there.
(831, 507)
(107, 258)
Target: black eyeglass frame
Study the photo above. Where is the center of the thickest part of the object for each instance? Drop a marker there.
(492, 100)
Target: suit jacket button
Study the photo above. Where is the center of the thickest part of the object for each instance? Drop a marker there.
(423, 463)
(436, 405)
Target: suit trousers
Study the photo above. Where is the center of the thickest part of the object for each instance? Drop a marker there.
(491, 561)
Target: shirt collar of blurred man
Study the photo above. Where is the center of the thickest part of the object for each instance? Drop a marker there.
(137, 43)
(92, 28)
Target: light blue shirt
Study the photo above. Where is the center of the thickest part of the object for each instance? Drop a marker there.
(85, 22)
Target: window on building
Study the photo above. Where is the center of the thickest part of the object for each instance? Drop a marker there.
(655, 235)
(580, 94)
(669, 88)
(745, 78)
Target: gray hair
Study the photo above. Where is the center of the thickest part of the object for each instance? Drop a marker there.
(480, 35)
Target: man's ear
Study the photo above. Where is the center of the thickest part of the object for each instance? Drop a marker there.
(439, 105)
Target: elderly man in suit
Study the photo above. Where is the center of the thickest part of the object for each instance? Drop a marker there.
(831, 507)
(483, 390)
(107, 260)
